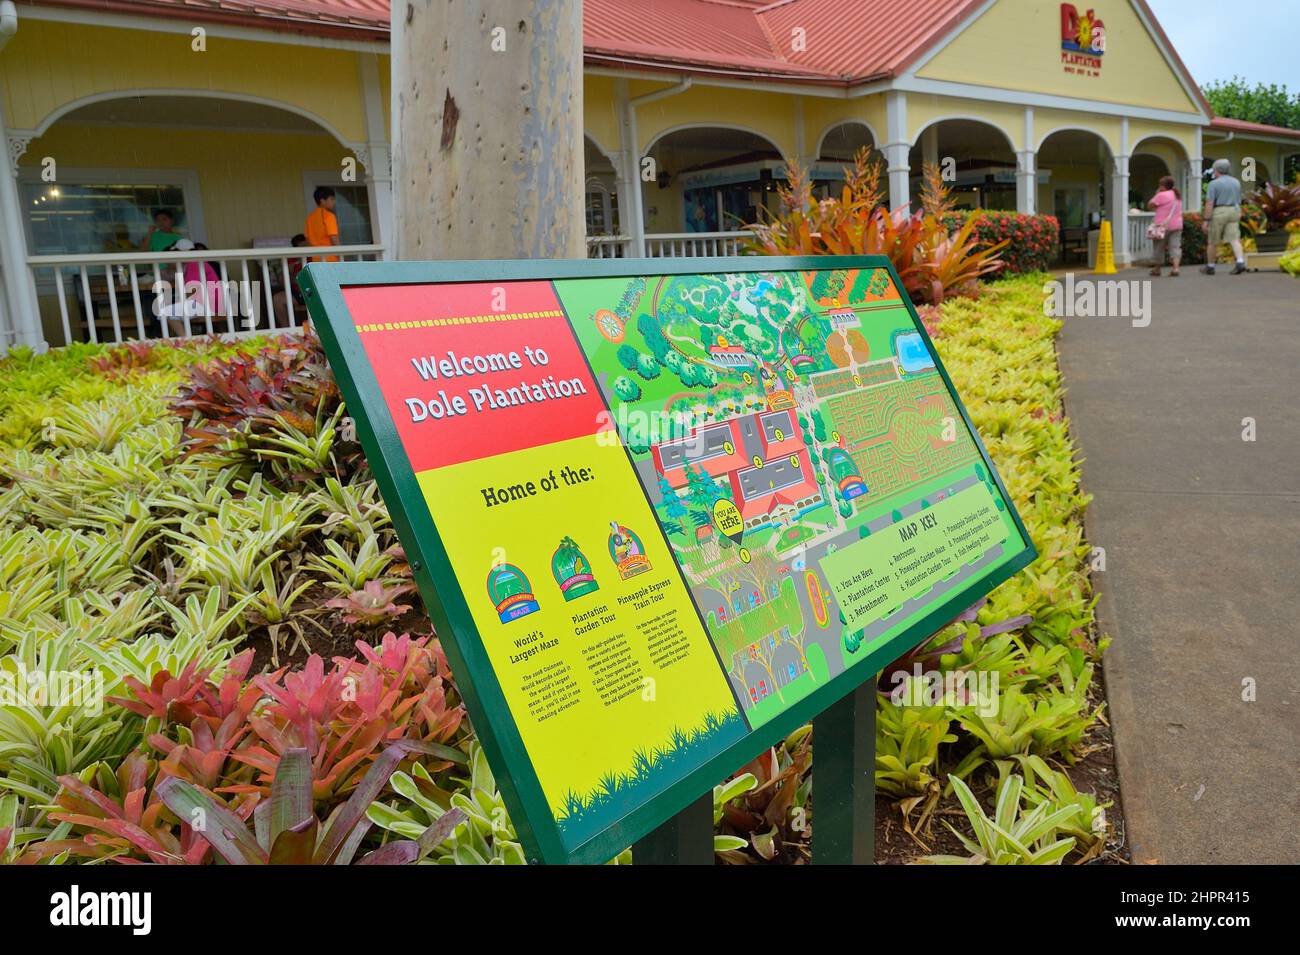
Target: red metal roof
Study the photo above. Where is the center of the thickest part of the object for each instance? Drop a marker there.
(358, 18)
(1242, 126)
(842, 41)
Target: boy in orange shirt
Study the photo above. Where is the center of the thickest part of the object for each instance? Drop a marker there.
(322, 225)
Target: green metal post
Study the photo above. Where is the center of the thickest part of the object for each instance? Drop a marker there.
(844, 780)
(685, 839)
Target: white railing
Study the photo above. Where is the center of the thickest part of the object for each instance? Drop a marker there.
(121, 296)
(667, 245)
(609, 246)
(672, 245)
(1139, 246)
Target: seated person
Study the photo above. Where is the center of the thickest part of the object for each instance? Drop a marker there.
(162, 235)
(201, 282)
(278, 299)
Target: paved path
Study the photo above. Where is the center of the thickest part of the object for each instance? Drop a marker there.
(1201, 532)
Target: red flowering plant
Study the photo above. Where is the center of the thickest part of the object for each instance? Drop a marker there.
(345, 717)
(119, 816)
(1031, 240)
(227, 734)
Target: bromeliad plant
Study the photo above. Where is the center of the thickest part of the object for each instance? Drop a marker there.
(372, 605)
(1278, 204)
(286, 829)
(1045, 785)
(932, 260)
(400, 691)
(907, 755)
(770, 817)
(1010, 837)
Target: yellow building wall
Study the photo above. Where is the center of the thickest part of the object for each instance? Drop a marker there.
(1141, 129)
(50, 64)
(1016, 45)
(1268, 158)
(600, 116)
(767, 114)
(250, 183)
(1108, 128)
(925, 108)
(822, 114)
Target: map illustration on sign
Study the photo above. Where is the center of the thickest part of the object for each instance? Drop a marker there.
(670, 510)
(804, 459)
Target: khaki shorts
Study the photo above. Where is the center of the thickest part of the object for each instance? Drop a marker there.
(1224, 226)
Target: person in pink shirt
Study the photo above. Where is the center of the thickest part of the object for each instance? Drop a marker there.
(1166, 229)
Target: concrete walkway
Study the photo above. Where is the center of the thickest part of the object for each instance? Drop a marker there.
(1201, 531)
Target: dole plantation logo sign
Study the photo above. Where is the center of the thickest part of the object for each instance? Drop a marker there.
(1083, 41)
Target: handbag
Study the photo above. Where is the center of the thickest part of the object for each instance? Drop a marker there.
(1156, 230)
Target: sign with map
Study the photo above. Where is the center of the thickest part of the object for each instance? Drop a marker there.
(661, 512)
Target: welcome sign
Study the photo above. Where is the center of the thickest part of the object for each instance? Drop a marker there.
(661, 512)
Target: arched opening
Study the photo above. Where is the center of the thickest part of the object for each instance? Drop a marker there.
(236, 172)
(976, 158)
(233, 173)
(600, 190)
(1075, 168)
(841, 143)
(710, 179)
(1153, 158)
(837, 150)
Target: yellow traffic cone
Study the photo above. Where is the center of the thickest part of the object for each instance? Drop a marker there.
(1105, 251)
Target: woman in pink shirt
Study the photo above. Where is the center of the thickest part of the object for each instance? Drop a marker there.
(1166, 229)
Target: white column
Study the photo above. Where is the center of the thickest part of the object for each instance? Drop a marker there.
(896, 148)
(1192, 185)
(1119, 211)
(1026, 181)
(631, 200)
(1119, 199)
(801, 157)
(19, 288)
(930, 144)
(1027, 168)
(377, 156)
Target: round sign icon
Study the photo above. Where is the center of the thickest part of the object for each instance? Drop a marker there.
(748, 378)
(609, 325)
(857, 381)
(728, 447)
(758, 462)
(794, 461)
(836, 437)
(728, 520)
(780, 435)
(744, 555)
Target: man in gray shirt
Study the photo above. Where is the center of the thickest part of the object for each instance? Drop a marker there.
(1223, 217)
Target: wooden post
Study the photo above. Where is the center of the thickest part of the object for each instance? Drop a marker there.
(685, 839)
(487, 125)
(844, 780)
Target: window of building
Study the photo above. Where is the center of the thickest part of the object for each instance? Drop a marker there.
(71, 217)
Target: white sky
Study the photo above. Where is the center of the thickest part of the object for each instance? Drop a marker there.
(1254, 39)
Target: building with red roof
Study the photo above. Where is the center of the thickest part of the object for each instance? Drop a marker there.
(231, 112)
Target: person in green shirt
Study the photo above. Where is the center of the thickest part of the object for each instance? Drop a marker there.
(162, 234)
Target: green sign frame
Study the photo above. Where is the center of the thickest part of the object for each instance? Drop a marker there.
(476, 679)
